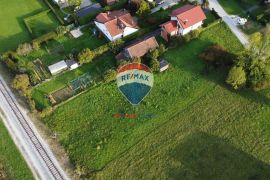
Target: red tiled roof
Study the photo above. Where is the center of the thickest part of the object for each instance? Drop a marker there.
(170, 26)
(141, 48)
(116, 21)
(189, 15)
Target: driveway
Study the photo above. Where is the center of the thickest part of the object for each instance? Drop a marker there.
(214, 4)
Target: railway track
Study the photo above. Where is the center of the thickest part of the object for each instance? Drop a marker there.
(31, 134)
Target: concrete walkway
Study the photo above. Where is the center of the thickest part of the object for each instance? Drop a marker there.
(214, 4)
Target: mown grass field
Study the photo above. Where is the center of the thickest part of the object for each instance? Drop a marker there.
(198, 127)
(12, 28)
(13, 164)
(42, 23)
(237, 8)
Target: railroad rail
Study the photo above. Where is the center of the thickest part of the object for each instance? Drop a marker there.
(31, 134)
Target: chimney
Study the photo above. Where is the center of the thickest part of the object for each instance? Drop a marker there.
(185, 21)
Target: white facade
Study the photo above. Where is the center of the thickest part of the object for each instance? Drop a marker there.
(58, 67)
(128, 31)
(74, 66)
(191, 28)
(104, 30)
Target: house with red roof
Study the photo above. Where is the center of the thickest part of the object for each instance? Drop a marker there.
(138, 49)
(116, 24)
(183, 20)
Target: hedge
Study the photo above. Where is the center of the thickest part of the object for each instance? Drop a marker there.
(26, 20)
(54, 11)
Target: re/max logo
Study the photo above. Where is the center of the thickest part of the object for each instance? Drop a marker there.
(135, 76)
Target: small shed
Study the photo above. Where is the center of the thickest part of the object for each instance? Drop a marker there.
(58, 67)
(76, 33)
(163, 65)
(72, 64)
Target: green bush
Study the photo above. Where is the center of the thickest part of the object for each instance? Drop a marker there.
(110, 75)
(24, 49)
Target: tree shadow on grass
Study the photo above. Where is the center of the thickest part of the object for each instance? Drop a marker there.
(197, 67)
(203, 156)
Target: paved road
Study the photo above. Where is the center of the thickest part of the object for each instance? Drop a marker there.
(165, 5)
(226, 18)
(35, 151)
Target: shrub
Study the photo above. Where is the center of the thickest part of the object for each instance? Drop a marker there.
(154, 65)
(217, 55)
(24, 49)
(35, 45)
(144, 9)
(61, 30)
(236, 77)
(21, 82)
(162, 49)
(110, 75)
(137, 60)
(86, 56)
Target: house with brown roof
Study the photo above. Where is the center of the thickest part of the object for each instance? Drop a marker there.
(183, 20)
(116, 24)
(138, 49)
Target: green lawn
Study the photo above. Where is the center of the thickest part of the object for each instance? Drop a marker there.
(235, 7)
(42, 23)
(10, 159)
(12, 28)
(190, 110)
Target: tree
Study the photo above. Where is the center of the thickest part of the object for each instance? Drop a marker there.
(162, 49)
(24, 49)
(154, 54)
(61, 30)
(144, 9)
(21, 82)
(110, 75)
(86, 56)
(137, 60)
(236, 77)
(154, 64)
(260, 44)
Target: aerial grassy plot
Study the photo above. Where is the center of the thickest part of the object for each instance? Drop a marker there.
(237, 7)
(12, 164)
(13, 30)
(177, 127)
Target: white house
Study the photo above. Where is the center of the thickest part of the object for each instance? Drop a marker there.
(183, 20)
(116, 24)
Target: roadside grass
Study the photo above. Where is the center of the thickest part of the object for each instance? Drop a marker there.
(231, 7)
(236, 7)
(91, 134)
(10, 158)
(12, 28)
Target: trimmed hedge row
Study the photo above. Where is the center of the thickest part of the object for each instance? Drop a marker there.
(26, 20)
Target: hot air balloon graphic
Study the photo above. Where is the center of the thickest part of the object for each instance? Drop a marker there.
(135, 81)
